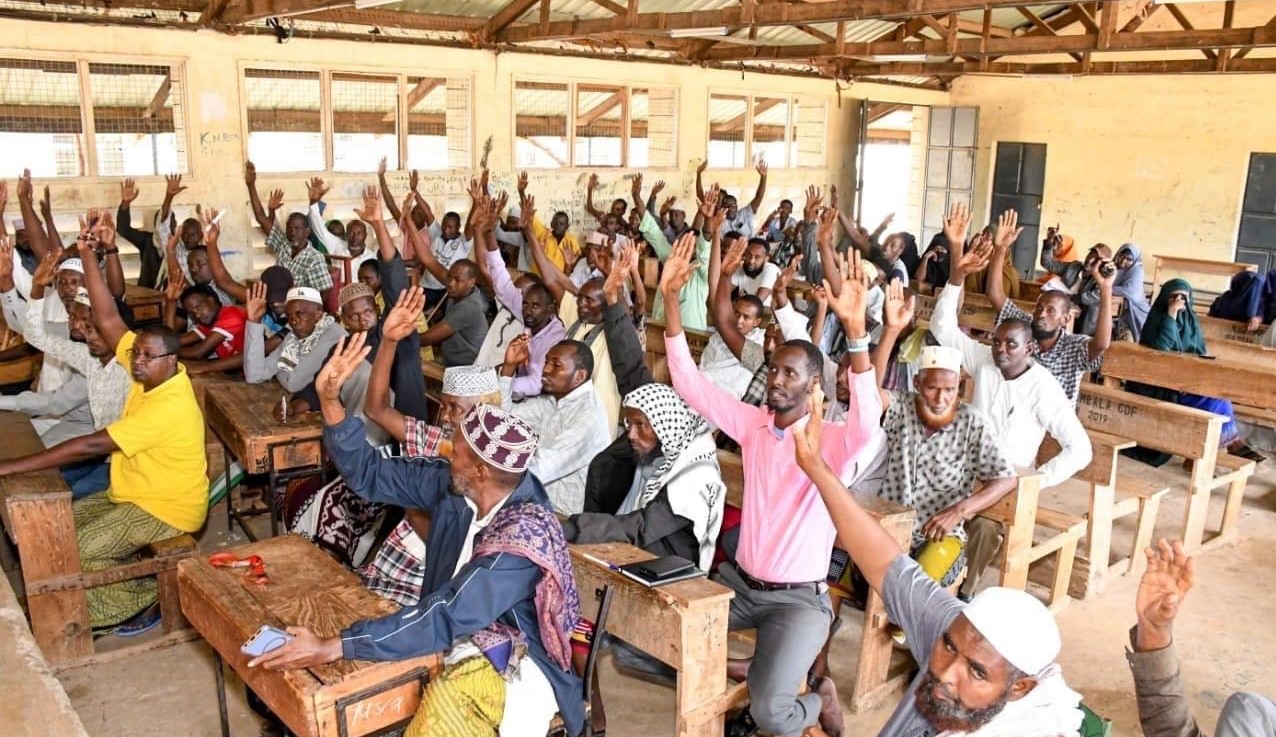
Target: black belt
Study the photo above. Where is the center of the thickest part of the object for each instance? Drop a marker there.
(760, 585)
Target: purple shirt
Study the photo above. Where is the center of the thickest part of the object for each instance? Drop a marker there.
(786, 534)
(527, 379)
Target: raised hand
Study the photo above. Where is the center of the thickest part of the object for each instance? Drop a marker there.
(1103, 271)
(957, 223)
(46, 203)
(897, 312)
(761, 167)
(626, 260)
(341, 367)
(212, 231)
(175, 288)
(812, 207)
(703, 165)
(103, 230)
(522, 184)
(401, 322)
(678, 267)
(316, 189)
(635, 187)
(276, 200)
(827, 219)
(414, 180)
(519, 351)
(173, 185)
(667, 205)
(1169, 576)
(709, 205)
(255, 305)
(381, 167)
(1008, 230)
(250, 173)
(128, 192)
(6, 261)
(788, 275)
(371, 212)
(593, 181)
(976, 258)
(657, 187)
(806, 442)
(24, 186)
(45, 272)
(851, 304)
(734, 258)
(527, 212)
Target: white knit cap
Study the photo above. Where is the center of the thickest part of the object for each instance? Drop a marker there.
(72, 264)
(940, 357)
(470, 381)
(1018, 625)
(305, 294)
(515, 211)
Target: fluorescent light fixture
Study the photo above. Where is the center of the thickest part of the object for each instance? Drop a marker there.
(698, 32)
(1048, 77)
(888, 58)
(365, 4)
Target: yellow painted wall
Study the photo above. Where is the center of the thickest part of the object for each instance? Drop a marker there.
(1157, 160)
(214, 115)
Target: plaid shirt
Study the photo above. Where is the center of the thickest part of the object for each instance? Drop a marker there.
(1068, 360)
(397, 571)
(308, 267)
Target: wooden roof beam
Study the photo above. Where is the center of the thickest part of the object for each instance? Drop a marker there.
(609, 5)
(156, 105)
(956, 69)
(602, 108)
(815, 33)
(770, 14)
(1144, 10)
(238, 12)
(400, 19)
(512, 11)
(1187, 26)
(1243, 52)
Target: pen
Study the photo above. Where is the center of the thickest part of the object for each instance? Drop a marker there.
(601, 562)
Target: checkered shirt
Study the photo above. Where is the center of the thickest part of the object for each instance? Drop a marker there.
(1069, 360)
(308, 267)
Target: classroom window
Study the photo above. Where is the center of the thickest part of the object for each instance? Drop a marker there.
(285, 126)
(438, 123)
(365, 122)
(782, 131)
(132, 125)
(591, 125)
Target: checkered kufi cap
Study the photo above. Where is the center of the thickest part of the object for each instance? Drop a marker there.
(470, 381)
(502, 440)
(353, 291)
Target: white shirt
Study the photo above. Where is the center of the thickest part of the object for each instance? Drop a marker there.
(337, 246)
(752, 284)
(1021, 410)
(447, 253)
(742, 223)
(721, 367)
(572, 431)
(54, 372)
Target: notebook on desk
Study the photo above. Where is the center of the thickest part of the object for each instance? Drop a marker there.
(661, 571)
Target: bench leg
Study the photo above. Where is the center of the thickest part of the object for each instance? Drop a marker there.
(1099, 535)
(1232, 510)
(1148, 509)
(171, 618)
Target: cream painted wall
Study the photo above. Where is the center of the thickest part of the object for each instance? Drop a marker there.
(1158, 160)
(214, 115)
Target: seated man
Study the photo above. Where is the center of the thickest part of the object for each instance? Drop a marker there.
(566, 415)
(338, 239)
(196, 271)
(215, 340)
(1154, 663)
(1022, 401)
(782, 559)
(987, 667)
(159, 486)
(312, 333)
(739, 219)
(503, 598)
(756, 274)
(694, 295)
(535, 308)
(461, 332)
(937, 448)
(292, 247)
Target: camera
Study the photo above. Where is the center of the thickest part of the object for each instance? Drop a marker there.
(1107, 269)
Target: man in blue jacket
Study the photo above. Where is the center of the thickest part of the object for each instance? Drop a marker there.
(499, 571)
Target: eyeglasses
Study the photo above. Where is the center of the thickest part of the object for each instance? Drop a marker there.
(135, 355)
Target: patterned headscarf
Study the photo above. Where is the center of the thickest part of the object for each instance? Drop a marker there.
(676, 426)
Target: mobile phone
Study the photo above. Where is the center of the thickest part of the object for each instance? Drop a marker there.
(267, 639)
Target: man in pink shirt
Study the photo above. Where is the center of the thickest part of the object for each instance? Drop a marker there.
(786, 535)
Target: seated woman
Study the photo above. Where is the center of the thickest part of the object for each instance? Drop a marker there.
(932, 270)
(1250, 298)
(1129, 286)
(1172, 326)
(977, 282)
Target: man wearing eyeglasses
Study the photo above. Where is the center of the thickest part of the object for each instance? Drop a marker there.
(159, 483)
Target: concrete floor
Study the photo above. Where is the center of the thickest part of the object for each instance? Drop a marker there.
(1225, 640)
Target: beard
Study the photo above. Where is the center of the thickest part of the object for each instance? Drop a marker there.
(934, 421)
(1040, 333)
(950, 715)
(753, 273)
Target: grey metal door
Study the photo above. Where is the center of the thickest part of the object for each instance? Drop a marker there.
(1018, 181)
(1256, 241)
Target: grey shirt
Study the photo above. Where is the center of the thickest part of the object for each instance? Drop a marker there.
(469, 328)
(924, 611)
(260, 367)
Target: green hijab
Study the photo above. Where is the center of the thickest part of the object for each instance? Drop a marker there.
(1180, 334)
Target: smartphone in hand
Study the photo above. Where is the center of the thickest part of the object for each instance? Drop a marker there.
(267, 639)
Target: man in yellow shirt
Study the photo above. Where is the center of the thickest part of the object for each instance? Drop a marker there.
(159, 481)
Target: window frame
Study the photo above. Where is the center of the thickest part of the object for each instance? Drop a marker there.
(626, 120)
(327, 125)
(791, 143)
(177, 66)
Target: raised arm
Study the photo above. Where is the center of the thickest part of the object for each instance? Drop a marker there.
(1103, 329)
(398, 325)
(589, 198)
(756, 203)
(221, 277)
(111, 254)
(391, 206)
(106, 316)
(50, 227)
(555, 280)
(26, 205)
(700, 179)
(172, 188)
(876, 235)
(869, 544)
(828, 256)
(1007, 233)
(264, 221)
(626, 352)
(723, 310)
(897, 314)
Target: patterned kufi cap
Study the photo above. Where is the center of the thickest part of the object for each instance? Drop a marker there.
(499, 438)
(353, 291)
(470, 381)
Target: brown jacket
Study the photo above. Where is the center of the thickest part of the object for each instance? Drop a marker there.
(1158, 685)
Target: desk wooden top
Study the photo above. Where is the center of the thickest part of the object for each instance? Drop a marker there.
(306, 588)
(242, 416)
(1244, 381)
(20, 439)
(204, 384)
(683, 594)
(135, 295)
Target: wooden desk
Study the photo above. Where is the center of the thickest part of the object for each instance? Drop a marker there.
(683, 624)
(36, 511)
(1214, 329)
(1204, 275)
(306, 588)
(1238, 380)
(147, 304)
(204, 384)
(242, 417)
(655, 355)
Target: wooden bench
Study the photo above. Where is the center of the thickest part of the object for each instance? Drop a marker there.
(976, 311)
(1238, 381)
(1214, 329)
(1178, 430)
(1208, 278)
(1091, 571)
(37, 514)
(655, 356)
